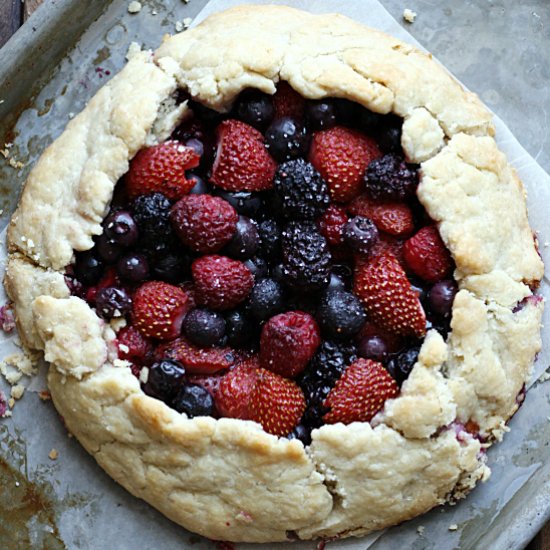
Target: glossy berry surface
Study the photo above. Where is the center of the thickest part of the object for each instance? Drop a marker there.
(245, 240)
(194, 400)
(373, 347)
(121, 228)
(203, 327)
(266, 299)
(441, 296)
(112, 302)
(200, 187)
(270, 232)
(88, 268)
(171, 268)
(340, 315)
(301, 189)
(360, 234)
(240, 329)
(133, 267)
(245, 203)
(108, 249)
(390, 178)
(286, 139)
(255, 108)
(321, 115)
(257, 266)
(164, 379)
(401, 366)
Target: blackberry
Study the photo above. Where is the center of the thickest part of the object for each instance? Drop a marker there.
(321, 375)
(303, 192)
(400, 366)
(390, 178)
(306, 257)
(340, 314)
(270, 240)
(151, 213)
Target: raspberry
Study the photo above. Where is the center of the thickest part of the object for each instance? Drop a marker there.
(390, 178)
(221, 283)
(288, 342)
(204, 223)
(306, 257)
(302, 190)
(331, 224)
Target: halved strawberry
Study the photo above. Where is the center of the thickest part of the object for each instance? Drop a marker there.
(387, 295)
(288, 102)
(242, 162)
(360, 393)
(341, 156)
(276, 403)
(161, 168)
(235, 390)
(394, 218)
(197, 360)
(427, 256)
(159, 308)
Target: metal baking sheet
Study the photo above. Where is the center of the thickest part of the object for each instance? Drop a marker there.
(50, 69)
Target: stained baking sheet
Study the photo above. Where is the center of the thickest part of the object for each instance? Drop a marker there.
(74, 504)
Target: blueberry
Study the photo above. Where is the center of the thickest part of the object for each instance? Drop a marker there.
(441, 297)
(194, 400)
(244, 202)
(207, 116)
(164, 379)
(108, 249)
(340, 314)
(301, 433)
(245, 240)
(239, 330)
(133, 267)
(196, 144)
(266, 299)
(340, 277)
(172, 268)
(270, 240)
(200, 187)
(389, 135)
(321, 115)
(88, 268)
(360, 234)
(121, 228)
(419, 289)
(204, 327)
(373, 347)
(400, 366)
(112, 302)
(257, 266)
(368, 121)
(347, 112)
(255, 108)
(286, 139)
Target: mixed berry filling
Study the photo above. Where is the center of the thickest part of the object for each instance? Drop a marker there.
(272, 264)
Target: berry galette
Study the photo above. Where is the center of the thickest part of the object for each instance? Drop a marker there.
(283, 276)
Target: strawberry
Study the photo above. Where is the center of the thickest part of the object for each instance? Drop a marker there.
(394, 218)
(426, 255)
(161, 168)
(342, 155)
(331, 224)
(276, 403)
(234, 391)
(288, 341)
(221, 283)
(242, 162)
(387, 295)
(360, 393)
(204, 223)
(159, 309)
(288, 102)
(132, 345)
(197, 360)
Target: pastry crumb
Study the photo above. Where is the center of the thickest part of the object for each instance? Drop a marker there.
(123, 348)
(45, 395)
(121, 363)
(187, 22)
(409, 16)
(11, 402)
(17, 391)
(453, 527)
(53, 454)
(179, 26)
(420, 529)
(134, 7)
(144, 375)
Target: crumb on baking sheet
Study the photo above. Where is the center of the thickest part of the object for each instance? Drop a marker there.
(17, 391)
(453, 527)
(4, 412)
(45, 395)
(409, 16)
(134, 7)
(420, 530)
(53, 454)
(184, 24)
(7, 318)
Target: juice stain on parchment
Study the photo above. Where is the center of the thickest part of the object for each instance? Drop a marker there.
(29, 509)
